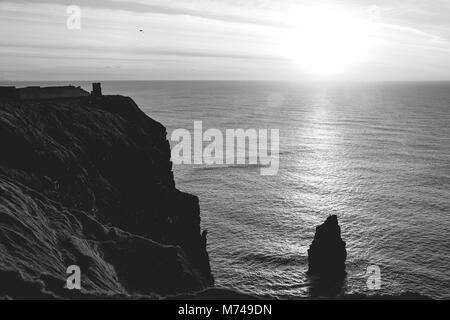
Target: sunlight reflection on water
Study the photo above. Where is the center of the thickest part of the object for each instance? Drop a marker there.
(377, 155)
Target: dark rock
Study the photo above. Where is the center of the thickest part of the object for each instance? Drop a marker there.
(327, 253)
(89, 182)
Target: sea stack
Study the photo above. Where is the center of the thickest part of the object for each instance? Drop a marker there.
(327, 253)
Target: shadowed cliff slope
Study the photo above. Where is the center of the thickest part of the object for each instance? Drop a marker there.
(89, 182)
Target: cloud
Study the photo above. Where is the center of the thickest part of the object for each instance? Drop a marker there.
(213, 36)
(245, 12)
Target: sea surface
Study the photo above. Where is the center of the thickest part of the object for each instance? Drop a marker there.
(375, 154)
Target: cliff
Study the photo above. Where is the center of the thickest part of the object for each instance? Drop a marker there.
(89, 182)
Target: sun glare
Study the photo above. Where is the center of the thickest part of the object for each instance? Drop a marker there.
(327, 43)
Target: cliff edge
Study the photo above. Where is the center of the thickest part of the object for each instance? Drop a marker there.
(89, 182)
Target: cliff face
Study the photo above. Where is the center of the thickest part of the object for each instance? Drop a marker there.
(89, 182)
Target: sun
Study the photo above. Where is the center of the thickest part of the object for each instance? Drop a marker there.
(327, 42)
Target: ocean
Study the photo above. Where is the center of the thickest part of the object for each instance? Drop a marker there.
(377, 155)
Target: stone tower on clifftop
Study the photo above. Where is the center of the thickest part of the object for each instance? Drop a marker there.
(96, 90)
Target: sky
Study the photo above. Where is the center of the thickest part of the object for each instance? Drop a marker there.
(352, 40)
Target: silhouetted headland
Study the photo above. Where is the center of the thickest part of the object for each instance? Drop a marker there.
(41, 93)
(88, 181)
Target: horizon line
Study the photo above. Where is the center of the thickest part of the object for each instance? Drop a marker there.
(234, 80)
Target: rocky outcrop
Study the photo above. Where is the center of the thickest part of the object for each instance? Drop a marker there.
(89, 182)
(327, 253)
